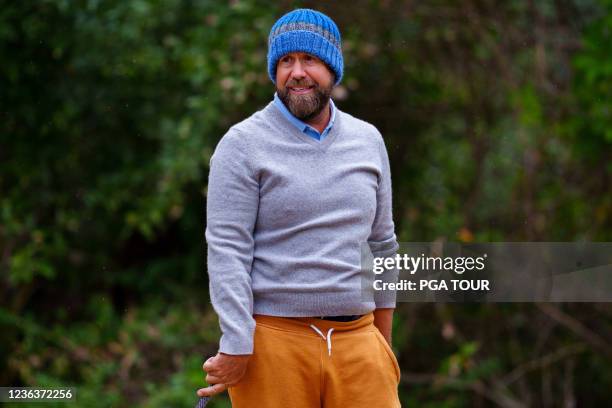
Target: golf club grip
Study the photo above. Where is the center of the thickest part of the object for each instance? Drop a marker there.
(202, 402)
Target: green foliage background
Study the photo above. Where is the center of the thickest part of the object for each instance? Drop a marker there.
(497, 118)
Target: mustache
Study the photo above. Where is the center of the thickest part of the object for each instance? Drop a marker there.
(305, 83)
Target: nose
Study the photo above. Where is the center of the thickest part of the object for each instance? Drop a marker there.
(297, 70)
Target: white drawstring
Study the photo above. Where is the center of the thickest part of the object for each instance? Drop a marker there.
(328, 337)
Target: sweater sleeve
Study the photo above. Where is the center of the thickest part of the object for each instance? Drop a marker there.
(382, 240)
(231, 211)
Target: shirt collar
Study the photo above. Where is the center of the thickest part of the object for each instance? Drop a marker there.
(302, 126)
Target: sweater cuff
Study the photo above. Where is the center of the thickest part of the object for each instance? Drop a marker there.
(236, 345)
(383, 249)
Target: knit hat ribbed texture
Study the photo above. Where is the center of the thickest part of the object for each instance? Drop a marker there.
(309, 31)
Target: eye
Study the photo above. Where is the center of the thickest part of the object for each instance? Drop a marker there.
(286, 59)
(312, 60)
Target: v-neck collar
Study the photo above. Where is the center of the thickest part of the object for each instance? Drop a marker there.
(288, 128)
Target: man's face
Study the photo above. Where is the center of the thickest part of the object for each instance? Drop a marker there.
(304, 84)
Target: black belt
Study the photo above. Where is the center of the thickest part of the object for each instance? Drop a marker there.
(350, 318)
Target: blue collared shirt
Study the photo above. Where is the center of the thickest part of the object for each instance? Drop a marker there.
(304, 127)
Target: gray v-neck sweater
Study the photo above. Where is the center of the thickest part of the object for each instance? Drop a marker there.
(286, 215)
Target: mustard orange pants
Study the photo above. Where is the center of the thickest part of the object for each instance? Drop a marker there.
(311, 363)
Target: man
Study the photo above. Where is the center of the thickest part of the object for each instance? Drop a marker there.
(293, 191)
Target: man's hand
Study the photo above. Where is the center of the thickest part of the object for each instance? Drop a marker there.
(383, 320)
(222, 371)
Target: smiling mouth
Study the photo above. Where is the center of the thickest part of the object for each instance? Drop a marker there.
(300, 89)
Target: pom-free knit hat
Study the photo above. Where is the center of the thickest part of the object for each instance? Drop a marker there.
(309, 31)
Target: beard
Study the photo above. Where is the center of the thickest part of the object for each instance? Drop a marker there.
(305, 107)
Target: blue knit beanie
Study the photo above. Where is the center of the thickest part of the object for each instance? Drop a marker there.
(309, 31)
